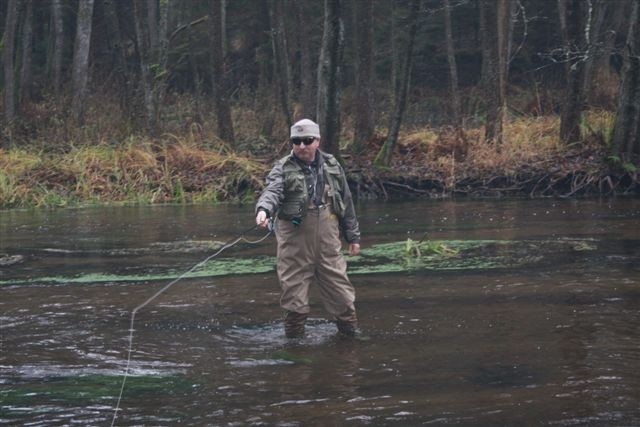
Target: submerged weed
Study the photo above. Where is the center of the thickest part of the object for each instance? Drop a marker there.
(382, 258)
(90, 388)
(415, 249)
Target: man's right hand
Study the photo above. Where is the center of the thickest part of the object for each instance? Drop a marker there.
(261, 219)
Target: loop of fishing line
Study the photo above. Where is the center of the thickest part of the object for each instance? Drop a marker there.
(240, 237)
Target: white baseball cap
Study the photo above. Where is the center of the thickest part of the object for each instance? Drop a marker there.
(305, 128)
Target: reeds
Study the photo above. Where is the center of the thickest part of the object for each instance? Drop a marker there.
(139, 171)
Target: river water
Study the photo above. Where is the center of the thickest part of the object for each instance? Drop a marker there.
(539, 326)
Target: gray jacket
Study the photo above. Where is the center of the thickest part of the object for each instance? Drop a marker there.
(284, 189)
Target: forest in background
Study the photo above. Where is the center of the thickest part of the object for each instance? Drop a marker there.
(163, 100)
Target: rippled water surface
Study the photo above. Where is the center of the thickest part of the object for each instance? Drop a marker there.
(539, 326)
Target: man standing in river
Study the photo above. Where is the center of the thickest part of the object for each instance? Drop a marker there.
(307, 192)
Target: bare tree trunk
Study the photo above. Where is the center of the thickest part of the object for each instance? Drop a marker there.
(486, 31)
(143, 43)
(513, 17)
(58, 25)
(453, 68)
(223, 29)
(81, 48)
(120, 69)
(197, 80)
(576, 51)
(496, 14)
(504, 27)
(626, 131)
(27, 55)
(152, 24)
(307, 95)
(400, 99)
(617, 22)
(564, 32)
(166, 11)
(8, 53)
(594, 47)
(162, 54)
(364, 121)
(395, 73)
(219, 78)
(264, 63)
(282, 75)
(153, 44)
(328, 107)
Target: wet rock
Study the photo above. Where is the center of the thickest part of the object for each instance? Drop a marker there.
(9, 260)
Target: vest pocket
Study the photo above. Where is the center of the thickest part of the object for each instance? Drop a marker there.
(294, 183)
(335, 181)
(295, 195)
(338, 205)
(291, 209)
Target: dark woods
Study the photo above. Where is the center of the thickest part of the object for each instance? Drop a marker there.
(243, 70)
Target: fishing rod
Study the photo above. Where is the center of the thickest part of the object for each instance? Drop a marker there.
(240, 237)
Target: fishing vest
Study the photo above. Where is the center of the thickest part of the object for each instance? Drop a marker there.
(296, 195)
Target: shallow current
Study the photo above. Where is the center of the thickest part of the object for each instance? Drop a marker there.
(526, 313)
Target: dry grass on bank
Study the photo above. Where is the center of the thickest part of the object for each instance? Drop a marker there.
(193, 166)
(450, 161)
(140, 171)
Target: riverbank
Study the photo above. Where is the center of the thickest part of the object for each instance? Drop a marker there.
(138, 172)
(531, 162)
(428, 162)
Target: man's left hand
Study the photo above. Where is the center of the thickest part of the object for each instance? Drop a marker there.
(354, 249)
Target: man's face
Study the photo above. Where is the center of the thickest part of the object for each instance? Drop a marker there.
(306, 153)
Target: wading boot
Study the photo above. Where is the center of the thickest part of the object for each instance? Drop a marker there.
(347, 324)
(294, 324)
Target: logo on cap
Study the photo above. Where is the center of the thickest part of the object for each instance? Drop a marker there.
(299, 128)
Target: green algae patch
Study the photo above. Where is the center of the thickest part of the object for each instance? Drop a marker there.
(394, 257)
(214, 268)
(430, 255)
(90, 389)
(443, 255)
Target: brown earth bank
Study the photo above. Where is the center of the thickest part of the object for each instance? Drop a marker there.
(528, 184)
(451, 166)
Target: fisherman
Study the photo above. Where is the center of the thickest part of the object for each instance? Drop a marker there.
(307, 192)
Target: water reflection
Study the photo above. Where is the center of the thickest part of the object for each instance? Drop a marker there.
(551, 342)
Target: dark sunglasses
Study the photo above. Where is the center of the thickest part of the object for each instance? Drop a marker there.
(305, 141)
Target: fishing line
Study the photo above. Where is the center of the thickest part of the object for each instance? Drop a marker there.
(240, 237)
